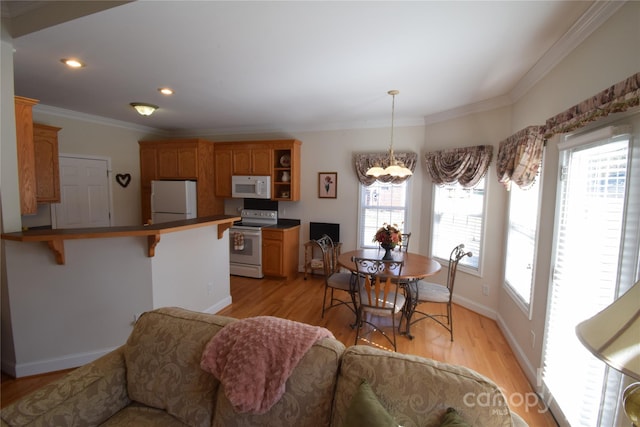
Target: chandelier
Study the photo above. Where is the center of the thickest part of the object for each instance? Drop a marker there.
(396, 168)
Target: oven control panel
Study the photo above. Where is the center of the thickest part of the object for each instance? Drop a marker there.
(259, 217)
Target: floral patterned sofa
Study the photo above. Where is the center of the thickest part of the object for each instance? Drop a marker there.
(155, 379)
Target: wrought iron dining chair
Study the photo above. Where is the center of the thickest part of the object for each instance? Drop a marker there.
(334, 279)
(423, 292)
(378, 296)
(404, 242)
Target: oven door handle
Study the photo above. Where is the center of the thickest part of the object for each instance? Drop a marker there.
(246, 232)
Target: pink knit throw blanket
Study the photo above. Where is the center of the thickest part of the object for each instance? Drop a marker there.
(254, 357)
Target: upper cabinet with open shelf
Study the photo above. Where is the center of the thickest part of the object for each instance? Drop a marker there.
(279, 159)
(285, 180)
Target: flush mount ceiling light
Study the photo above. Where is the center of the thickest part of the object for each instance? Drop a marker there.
(72, 62)
(165, 90)
(396, 167)
(144, 109)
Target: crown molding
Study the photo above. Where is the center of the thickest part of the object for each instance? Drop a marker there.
(591, 20)
(465, 110)
(337, 126)
(597, 14)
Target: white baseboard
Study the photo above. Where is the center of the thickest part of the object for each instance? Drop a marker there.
(52, 365)
(475, 307)
(529, 370)
(219, 305)
(75, 360)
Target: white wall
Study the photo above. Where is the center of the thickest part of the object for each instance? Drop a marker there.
(9, 193)
(201, 281)
(608, 56)
(487, 128)
(86, 135)
(63, 316)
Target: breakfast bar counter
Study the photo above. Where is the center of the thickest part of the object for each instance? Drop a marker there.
(55, 238)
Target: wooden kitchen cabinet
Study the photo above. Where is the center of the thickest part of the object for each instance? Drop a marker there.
(279, 159)
(177, 160)
(148, 173)
(223, 171)
(148, 163)
(188, 159)
(45, 140)
(252, 160)
(285, 181)
(280, 248)
(26, 154)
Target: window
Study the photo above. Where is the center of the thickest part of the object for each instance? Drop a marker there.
(458, 217)
(594, 260)
(381, 203)
(521, 241)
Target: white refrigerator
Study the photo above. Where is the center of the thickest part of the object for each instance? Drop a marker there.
(173, 201)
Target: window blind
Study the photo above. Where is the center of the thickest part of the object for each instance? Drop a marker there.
(592, 226)
(458, 217)
(521, 241)
(381, 203)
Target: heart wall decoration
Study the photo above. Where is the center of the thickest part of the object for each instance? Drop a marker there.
(123, 179)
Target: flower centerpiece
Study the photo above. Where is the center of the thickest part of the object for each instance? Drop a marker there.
(388, 236)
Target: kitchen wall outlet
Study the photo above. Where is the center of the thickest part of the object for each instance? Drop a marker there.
(485, 290)
(210, 288)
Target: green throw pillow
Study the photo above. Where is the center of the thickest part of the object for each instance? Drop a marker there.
(452, 418)
(366, 410)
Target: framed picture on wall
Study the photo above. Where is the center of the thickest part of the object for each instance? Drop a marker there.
(327, 185)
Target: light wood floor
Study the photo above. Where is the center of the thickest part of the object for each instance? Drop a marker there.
(479, 343)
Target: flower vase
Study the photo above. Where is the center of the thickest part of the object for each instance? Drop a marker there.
(387, 251)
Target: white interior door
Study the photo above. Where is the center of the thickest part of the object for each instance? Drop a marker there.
(84, 193)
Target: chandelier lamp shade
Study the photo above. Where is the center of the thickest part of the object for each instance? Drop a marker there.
(396, 167)
(613, 336)
(144, 109)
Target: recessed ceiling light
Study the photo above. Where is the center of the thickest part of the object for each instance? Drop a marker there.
(71, 62)
(165, 90)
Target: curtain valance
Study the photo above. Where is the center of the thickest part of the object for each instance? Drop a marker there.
(519, 157)
(464, 165)
(617, 98)
(364, 161)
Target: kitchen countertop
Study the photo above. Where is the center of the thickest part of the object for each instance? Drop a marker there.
(286, 223)
(55, 238)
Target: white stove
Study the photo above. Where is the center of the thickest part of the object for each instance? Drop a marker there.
(245, 242)
(252, 218)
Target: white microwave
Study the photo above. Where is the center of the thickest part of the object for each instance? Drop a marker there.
(251, 187)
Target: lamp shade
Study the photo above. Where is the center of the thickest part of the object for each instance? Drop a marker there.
(397, 170)
(613, 335)
(375, 171)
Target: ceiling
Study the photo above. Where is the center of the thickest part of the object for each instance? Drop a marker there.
(270, 66)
